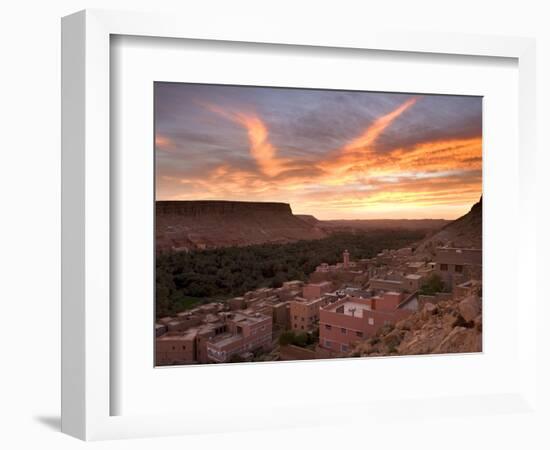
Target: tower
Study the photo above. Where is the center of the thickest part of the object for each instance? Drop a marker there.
(346, 259)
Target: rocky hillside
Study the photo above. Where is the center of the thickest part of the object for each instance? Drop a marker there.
(190, 225)
(451, 326)
(465, 232)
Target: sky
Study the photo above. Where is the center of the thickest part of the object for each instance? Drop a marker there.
(333, 154)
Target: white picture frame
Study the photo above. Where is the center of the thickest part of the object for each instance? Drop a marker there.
(87, 385)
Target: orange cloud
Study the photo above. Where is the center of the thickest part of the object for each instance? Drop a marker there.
(163, 142)
(373, 131)
(361, 147)
(261, 149)
(425, 159)
(354, 180)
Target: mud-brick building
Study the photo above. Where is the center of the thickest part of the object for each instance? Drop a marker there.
(176, 348)
(458, 265)
(353, 319)
(246, 332)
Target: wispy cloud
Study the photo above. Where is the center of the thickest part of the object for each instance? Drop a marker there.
(360, 177)
(261, 149)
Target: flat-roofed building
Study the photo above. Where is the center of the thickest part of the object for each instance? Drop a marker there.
(304, 313)
(387, 284)
(188, 320)
(457, 265)
(246, 332)
(204, 334)
(293, 284)
(413, 282)
(281, 314)
(352, 319)
(323, 267)
(414, 267)
(175, 325)
(176, 348)
(236, 303)
(312, 291)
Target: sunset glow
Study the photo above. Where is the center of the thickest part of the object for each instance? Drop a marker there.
(332, 154)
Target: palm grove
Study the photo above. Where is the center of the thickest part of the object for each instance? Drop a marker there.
(186, 279)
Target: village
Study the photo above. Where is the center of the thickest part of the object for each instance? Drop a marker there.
(340, 306)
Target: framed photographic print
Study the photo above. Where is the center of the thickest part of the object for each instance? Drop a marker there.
(267, 229)
(300, 224)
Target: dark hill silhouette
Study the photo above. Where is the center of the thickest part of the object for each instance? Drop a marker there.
(190, 225)
(465, 232)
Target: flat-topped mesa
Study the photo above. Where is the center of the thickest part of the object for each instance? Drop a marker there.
(191, 208)
(206, 224)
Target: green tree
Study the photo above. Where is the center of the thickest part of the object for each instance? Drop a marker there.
(433, 285)
(217, 274)
(301, 339)
(286, 338)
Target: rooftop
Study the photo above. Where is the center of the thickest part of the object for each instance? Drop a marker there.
(386, 281)
(225, 339)
(189, 334)
(416, 264)
(350, 307)
(309, 302)
(247, 317)
(414, 276)
(355, 292)
(320, 284)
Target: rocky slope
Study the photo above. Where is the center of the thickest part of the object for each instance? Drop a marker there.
(465, 232)
(190, 225)
(451, 326)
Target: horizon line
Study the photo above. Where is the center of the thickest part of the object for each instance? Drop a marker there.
(314, 216)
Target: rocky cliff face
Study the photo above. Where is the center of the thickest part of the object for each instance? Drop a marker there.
(191, 225)
(465, 232)
(204, 208)
(451, 326)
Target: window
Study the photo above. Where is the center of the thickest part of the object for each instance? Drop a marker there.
(444, 267)
(359, 334)
(302, 319)
(371, 321)
(328, 344)
(183, 347)
(295, 317)
(328, 327)
(344, 348)
(343, 330)
(302, 327)
(458, 268)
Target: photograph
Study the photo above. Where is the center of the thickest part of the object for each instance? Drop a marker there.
(310, 224)
(276, 225)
